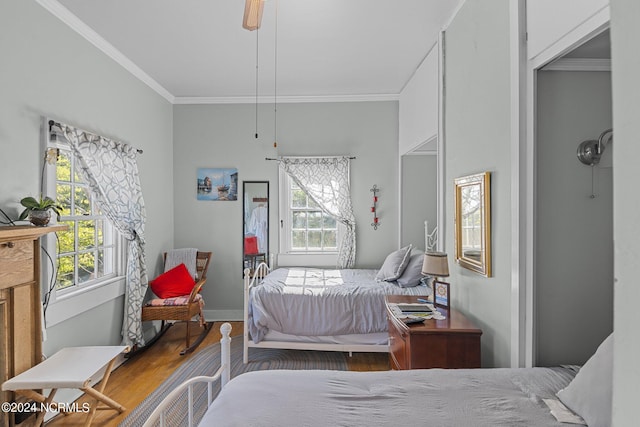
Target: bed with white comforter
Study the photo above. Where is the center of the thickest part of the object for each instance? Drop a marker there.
(321, 302)
(434, 397)
(494, 397)
(329, 309)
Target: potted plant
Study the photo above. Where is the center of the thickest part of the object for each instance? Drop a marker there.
(39, 211)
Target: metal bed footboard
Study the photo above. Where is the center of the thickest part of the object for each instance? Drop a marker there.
(157, 417)
(249, 282)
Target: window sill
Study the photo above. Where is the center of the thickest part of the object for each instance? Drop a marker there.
(74, 303)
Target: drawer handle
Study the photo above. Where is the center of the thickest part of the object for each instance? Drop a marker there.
(10, 244)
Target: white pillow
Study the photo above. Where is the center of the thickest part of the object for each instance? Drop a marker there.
(394, 265)
(413, 273)
(589, 393)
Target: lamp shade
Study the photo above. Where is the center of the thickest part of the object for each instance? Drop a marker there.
(435, 264)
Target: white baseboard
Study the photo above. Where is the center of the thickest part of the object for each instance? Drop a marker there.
(223, 315)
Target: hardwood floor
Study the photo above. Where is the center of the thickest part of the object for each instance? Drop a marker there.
(139, 376)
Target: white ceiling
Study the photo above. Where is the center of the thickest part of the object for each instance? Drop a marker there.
(598, 47)
(592, 55)
(197, 50)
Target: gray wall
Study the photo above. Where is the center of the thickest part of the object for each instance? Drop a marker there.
(419, 197)
(625, 33)
(477, 129)
(574, 232)
(49, 70)
(223, 136)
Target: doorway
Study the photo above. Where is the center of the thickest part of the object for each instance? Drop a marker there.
(573, 270)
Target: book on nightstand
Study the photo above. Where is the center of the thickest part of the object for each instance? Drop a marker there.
(416, 308)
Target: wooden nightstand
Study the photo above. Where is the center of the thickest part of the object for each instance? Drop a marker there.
(450, 343)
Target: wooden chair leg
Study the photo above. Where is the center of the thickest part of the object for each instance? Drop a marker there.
(97, 394)
(188, 333)
(205, 330)
(164, 327)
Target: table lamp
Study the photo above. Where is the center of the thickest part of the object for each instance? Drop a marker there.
(435, 264)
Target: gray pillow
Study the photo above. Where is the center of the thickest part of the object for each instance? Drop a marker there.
(413, 273)
(394, 265)
(589, 393)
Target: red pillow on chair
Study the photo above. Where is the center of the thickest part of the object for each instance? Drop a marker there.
(173, 283)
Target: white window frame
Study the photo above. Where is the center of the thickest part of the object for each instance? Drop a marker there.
(289, 257)
(66, 303)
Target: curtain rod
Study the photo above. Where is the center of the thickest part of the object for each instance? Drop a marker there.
(53, 123)
(310, 157)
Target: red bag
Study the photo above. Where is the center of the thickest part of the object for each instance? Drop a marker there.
(250, 245)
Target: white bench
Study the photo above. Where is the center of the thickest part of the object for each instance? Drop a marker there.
(72, 367)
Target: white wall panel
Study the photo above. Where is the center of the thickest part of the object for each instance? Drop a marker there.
(625, 34)
(418, 109)
(550, 20)
(478, 138)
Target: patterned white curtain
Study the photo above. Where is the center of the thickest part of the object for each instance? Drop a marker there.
(110, 169)
(326, 182)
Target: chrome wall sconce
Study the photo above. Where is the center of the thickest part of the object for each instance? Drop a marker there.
(590, 151)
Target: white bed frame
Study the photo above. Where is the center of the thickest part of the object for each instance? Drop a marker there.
(222, 374)
(263, 269)
(430, 238)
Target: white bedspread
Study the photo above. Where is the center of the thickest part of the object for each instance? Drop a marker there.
(430, 397)
(319, 302)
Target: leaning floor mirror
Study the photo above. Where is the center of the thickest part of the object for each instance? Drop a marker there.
(255, 232)
(473, 222)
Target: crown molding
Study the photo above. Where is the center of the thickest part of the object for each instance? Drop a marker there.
(284, 99)
(579, 64)
(63, 14)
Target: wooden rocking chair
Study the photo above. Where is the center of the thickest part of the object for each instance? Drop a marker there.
(184, 312)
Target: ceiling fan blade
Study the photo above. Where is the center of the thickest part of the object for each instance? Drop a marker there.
(252, 14)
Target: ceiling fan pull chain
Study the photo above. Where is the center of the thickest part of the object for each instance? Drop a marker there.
(257, 61)
(275, 83)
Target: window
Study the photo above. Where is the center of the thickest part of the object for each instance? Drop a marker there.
(305, 227)
(87, 252)
(311, 228)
